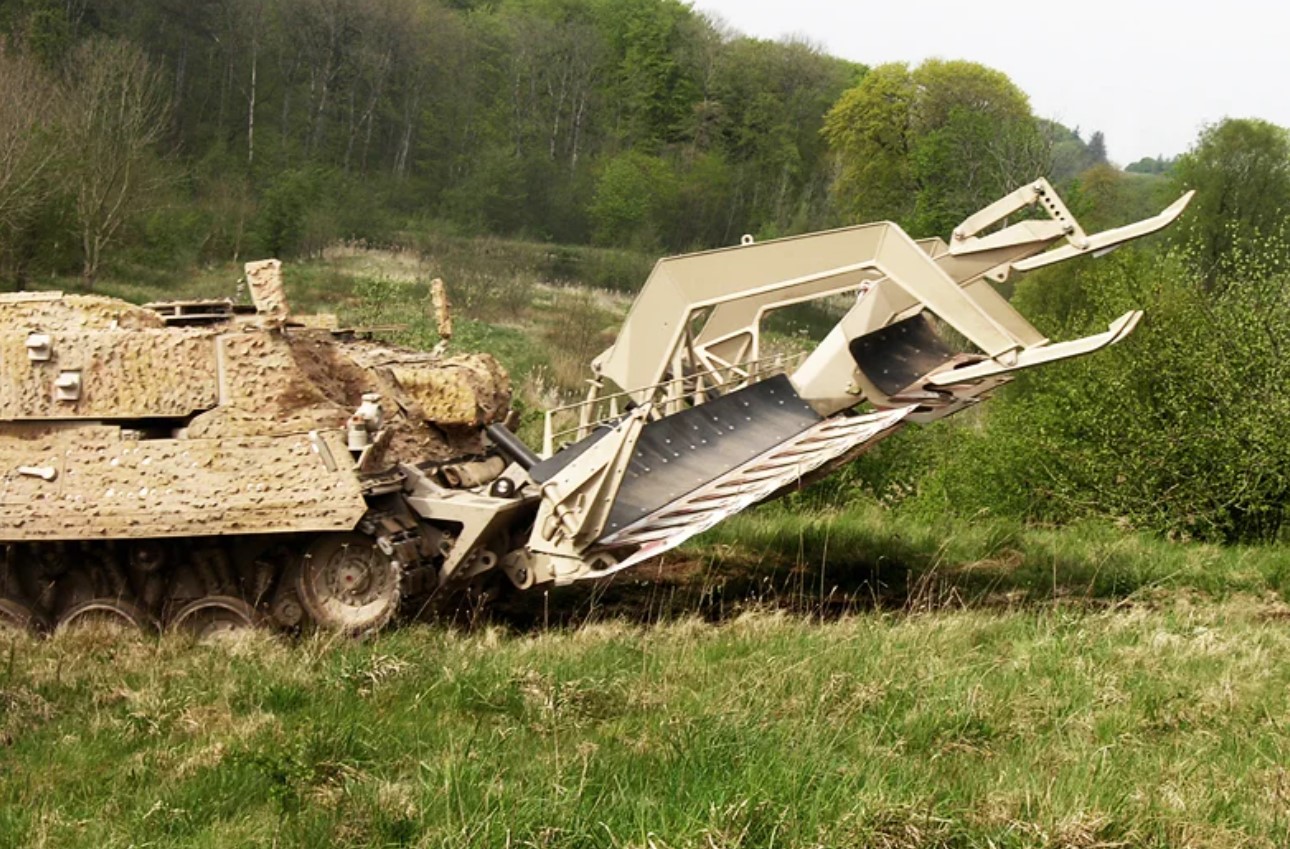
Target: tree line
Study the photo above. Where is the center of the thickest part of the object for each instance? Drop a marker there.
(281, 123)
(275, 126)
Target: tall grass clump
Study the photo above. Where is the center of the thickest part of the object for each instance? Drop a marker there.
(865, 554)
(1029, 727)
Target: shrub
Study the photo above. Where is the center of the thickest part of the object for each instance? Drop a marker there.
(634, 197)
(1181, 429)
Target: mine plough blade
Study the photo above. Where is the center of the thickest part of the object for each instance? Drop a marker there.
(721, 426)
(1041, 354)
(746, 484)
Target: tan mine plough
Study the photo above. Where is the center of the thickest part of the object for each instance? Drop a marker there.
(203, 465)
(713, 427)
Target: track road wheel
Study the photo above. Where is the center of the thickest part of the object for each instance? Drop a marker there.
(214, 617)
(16, 617)
(347, 584)
(105, 614)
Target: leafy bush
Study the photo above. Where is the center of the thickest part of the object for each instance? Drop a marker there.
(599, 268)
(282, 222)
(304, 210)
(1182, 429)
(634, 198)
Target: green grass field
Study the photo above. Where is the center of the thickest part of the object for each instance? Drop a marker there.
(801, 676)
(1139, 724)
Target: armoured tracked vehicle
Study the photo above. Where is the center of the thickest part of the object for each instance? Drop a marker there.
(203, 466)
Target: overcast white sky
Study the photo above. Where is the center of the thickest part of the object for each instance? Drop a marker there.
(1146, 73)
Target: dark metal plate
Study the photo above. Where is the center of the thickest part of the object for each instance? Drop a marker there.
(546, 469)
(678, 454)
(898, 355)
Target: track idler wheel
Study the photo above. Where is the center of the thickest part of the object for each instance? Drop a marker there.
(214, 617)
(16, 617)
(348, 584)
(109, 614)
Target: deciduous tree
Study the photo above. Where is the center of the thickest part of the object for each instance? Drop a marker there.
(1240, 169)
(930, 146)
(27, 106)
(117, 112)
(29, 142)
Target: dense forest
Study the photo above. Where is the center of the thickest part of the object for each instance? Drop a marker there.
(174, 134)
(276, 126)
(175, 131)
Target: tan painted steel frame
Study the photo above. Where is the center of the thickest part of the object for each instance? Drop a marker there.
(701, 312)
(481, 518)
(694, 330)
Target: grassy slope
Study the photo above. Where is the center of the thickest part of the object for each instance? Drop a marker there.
(1005, 724)
(1045, 725)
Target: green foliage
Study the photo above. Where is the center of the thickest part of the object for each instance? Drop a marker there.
(491, 198)
(118, 108)
(1103, 197)
(283, 223)
(1015, 726)
(765, 107)
(454, 257)
(299, 121)
(1071, 155)
(633, 197)
(45, 28)
(599, 268)
(870, 127)
(1152, 165)
(31, 147)
(697, 214)
(1182, 429)
(930, 146)
(906, 556)
(1240, 169)
(1097, 148)
(42, 245)
(303, 211)
(653, 86)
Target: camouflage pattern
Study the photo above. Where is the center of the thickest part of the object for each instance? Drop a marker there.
(205, 430)
(107, 485)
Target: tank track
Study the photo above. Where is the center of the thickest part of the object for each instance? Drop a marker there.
(205, 586)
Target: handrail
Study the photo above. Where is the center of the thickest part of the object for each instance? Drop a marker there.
(741, 373)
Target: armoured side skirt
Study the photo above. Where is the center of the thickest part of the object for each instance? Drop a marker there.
(89, 483)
